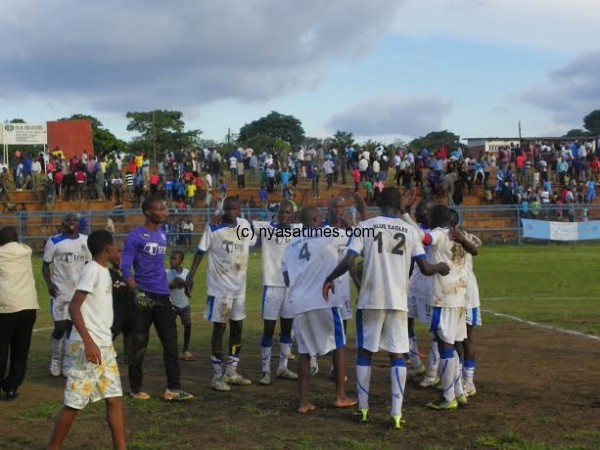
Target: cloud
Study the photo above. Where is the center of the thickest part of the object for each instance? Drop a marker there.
(570, 92)
(554, 25)
(399, 116)
(149, 54)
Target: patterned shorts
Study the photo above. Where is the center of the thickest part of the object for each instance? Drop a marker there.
(91, 382)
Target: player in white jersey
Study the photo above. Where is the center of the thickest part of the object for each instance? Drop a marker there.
(419, 296)
(228, 247)
(388, 245)
(336, 219)
(274, 238)
(317, 323)
(473, 316)
(448, 318)
(67, 253)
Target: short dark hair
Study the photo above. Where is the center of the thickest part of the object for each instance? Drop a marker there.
(440, 216)
(8, 234)
(98, 240)
(454, 216)
(147, 203)
(390, 198)
(178, 253)
(304, 213)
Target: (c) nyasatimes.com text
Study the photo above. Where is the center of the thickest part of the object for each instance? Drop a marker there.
(287, 233)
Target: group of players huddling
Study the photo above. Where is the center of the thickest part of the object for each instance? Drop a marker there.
(404, 269)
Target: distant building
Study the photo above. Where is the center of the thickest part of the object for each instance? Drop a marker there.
(492, 144)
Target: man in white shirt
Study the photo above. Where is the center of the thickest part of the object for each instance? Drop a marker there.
(67, 253)
(227, 245)
(317, 323)
(274, 238)
(388, 245)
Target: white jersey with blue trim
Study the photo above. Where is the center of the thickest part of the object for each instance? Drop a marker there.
(388, 244)
(228, 249)
(273, 245)
(342, 284)
(450, 290)
(421, 285)
(307, 262)
(68, 258)
(473, 299)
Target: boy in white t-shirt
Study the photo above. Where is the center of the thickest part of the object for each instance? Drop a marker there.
(318, 327)
(94, 373)
(176, 277)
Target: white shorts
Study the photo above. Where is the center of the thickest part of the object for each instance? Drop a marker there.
(224, 308)
(346, 309)
(385, 329)
(275, 303)
(449, 324)
(319, 331)
(59, 309)
(89, 382)
(474, 317)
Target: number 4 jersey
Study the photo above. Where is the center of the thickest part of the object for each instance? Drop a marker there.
(388, 245)
(308, 261)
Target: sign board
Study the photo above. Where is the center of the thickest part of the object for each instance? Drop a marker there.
(494, 145)
(24, 134)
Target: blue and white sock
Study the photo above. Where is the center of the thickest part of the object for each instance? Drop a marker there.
(433, 362)
(217, 366)
(232, 363)
(447, 367)
(398, 377)
(413, 350)
(458, 384)
(285, 348)
(469, 372)
(266, 350)
(363, 380)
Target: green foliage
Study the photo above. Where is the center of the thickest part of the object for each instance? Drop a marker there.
(369, 145)
(434, 141)
(591, 122)
(17, 121)
(342, 139)
(104, 141)
(164, 128)
(577, 132)
(274, 125)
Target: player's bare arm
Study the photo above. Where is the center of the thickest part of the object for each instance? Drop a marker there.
(189, 283)
(92, 352)
(429, 269)
(52, 288)
(460, 237)
(343, 267)
(361, 206)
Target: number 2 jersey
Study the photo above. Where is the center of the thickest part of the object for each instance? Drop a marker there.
(308, 261)
(388, 244)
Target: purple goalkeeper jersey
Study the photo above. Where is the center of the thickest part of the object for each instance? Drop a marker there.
(146, 250)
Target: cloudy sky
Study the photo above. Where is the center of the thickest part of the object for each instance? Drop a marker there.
(382, 69)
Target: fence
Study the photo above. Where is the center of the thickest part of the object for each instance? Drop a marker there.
(494, 224)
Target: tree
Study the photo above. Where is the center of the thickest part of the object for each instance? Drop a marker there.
(591, 122)
(160, 131)
(104, 141)
(312, 142)
(274, 125)
(17, 121)
(577, 132)
(342, 139)
(434, 140)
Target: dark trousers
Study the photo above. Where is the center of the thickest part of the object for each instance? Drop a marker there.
(15, 339)
(163, 318)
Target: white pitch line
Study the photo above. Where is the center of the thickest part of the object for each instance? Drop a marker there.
(541, 325)
(499, 299)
